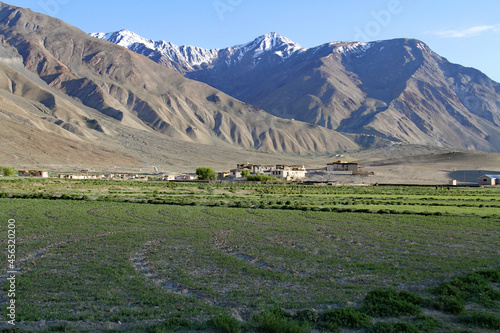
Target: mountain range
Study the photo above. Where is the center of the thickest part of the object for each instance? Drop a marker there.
(398, 89)
(73, 99)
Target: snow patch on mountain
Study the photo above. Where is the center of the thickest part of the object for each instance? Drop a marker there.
(269, 47)
(280, 45)
(189, 57)
(186, 56)
(353, 47)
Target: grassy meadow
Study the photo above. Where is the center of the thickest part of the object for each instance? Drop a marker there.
(161, 257)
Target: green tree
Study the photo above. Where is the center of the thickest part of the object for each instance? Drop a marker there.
(245, 173)
(8, 171)
(206, 174)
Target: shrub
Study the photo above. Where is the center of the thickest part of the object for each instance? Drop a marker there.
(225, 323)
(262, 178)
(426, 323)
(329, 327)
(472, 287)
(404, 328)
(346, 317)
(384, 327)
(491, 275)
(278, 321)
(381, 327)
(8, 171)
(482, 320)
(449, 304)
(170, 325)
(390, 303)
(309, 315)
(448, 289)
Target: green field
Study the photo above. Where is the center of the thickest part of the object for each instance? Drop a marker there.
(394, 200)
(105, 264)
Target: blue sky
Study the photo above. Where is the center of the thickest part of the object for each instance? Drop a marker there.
(465, 32)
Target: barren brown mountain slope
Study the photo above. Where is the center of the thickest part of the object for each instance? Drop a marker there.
(394, 89)
(79, 91)
(397, 89)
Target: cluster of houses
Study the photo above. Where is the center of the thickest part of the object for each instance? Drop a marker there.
(127, 176)
(280, 171)
(33, 173)
(183, 177)
(284, 172)
(45, 174)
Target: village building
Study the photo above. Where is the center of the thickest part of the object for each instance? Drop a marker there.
(185, 177)
(76, 177)
(222, 175)
(245, 166)
(489, 179)
(236, 173)
(343, 166)
(81, 177)
(33, 173)
(289, 172)
(263, 169)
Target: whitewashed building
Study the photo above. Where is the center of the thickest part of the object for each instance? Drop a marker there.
(289, 172)
(263, 169)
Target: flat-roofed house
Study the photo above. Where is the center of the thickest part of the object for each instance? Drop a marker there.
(236, 173)
(245, 166)
(343, 166)
(23, 173)
(263, 169)
(222, 175)
(289, 172)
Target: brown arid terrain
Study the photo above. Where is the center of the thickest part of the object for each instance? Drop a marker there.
(90, 95)
(404, 164)
(438, 167)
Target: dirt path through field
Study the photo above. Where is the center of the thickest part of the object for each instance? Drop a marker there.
(142, 265)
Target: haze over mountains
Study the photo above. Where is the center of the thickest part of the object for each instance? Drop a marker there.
(396, 89)
(67, 98)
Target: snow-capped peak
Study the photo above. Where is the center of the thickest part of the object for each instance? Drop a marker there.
(164, 52)
(273, 42)
(187, 58)
(124, 38)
